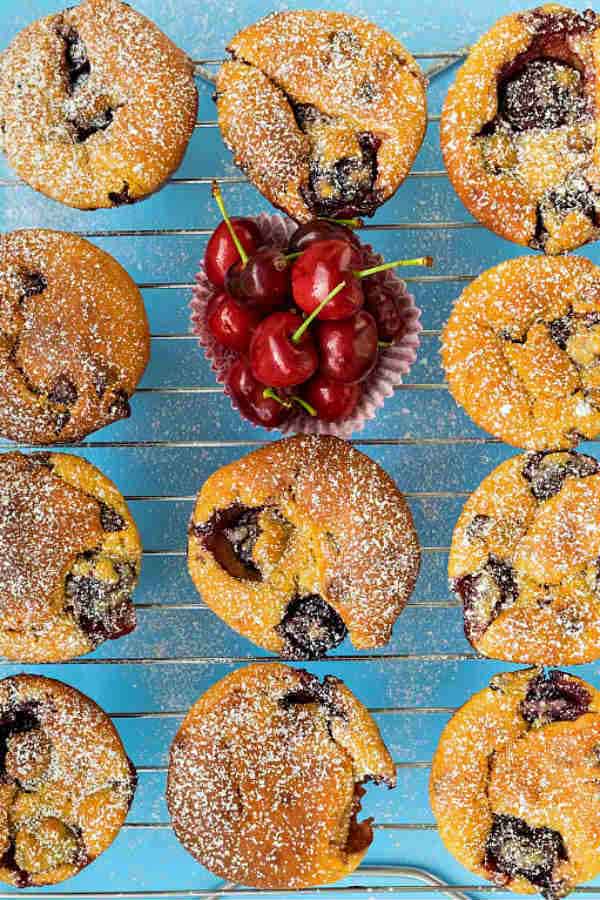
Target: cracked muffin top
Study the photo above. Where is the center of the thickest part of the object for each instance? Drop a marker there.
(323, 111)
(66, 783)
(525, 560)
(74, 339)
(514, 783)
(519, 129)
(70, 558)
(300, 541)
(97, 105)
(265, 778)
(521, 351)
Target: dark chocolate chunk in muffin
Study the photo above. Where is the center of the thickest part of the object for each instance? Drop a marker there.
(554, 697)
(516, 849)
(548, 471)
(310, 627)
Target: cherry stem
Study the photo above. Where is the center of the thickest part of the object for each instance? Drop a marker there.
(306, 406)
(270, 394)
(422, 261)
(302, 328)
(216, 192)
(385, 343)
(349, 223)
(291, 256)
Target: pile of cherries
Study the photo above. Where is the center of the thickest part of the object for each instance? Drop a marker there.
(306, 331)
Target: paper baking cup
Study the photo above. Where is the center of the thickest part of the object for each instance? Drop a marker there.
(392, 366)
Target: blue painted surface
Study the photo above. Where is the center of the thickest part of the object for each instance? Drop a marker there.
(423, 688)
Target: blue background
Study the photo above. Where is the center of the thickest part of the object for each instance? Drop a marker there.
(182, 428)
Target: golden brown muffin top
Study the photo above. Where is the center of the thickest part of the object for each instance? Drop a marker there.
(265, 778)
(67, 783)
(73, 337)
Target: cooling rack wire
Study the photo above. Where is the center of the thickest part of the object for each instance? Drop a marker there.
(367, 879)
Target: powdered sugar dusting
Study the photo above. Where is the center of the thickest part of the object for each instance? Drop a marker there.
(67, 783)
(351, 100)
(69, 558)
(264, 779)
(521, 351)
(97, 105)
(518, 129)
(351, 540)
(73, 337)
(524, 560)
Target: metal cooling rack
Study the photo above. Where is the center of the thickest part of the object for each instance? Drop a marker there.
(367, 879)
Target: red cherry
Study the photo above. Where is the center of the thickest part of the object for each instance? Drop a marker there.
(230, 322)
(278, 360)
(331, 400)
(248, 395)
(264, 281)
(320, 230)
(221, 252)
(320, 268)
(348, 349)
(386, 308)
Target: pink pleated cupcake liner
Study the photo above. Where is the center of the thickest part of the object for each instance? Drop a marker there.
(393, 364)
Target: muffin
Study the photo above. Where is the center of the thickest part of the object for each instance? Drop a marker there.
(519, 126)
(521, 351)
(513, 783)
(524, 560)
(323, 111)
(96, 105)
(74, 338)
(66, 782)
(265, 778)
(302, 541)
(69, 558)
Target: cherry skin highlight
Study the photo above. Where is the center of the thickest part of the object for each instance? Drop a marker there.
(221, 252)
(278, 360)
(331, 400)
(323, 266)
(320, 230)
(263, 282)
(248, 395)
(348, 348)
(231, 323)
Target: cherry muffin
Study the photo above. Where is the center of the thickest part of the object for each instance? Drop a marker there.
(302, 541)
(521, 351)
(513, 783)
(66, 782)
(323, 111)
(266, 774)
(525, 560)
(74, 338)
(96, 105)
(519, 129)
(69, 558)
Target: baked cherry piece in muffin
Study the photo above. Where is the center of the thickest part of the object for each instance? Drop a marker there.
(97, 105)
(525, 560)
(266, 774)
(70, 558)
(66, 783)
(513, 783)
(74, 339)
(519, 128)
(301, 541)
(323, 111)
(521, 351)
